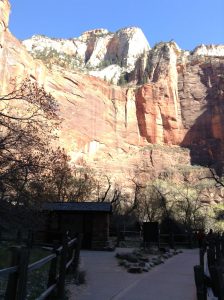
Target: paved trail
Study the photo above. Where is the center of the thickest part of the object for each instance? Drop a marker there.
(173, 280)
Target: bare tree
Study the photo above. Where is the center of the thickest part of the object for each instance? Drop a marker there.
(149, 205)
(28, 117)
(109, 191)
(189, 207)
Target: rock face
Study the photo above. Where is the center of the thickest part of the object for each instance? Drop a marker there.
(94, 51)
(209, 50)
(181, 103)
(201, 93)
(157, 103)
(4, 15)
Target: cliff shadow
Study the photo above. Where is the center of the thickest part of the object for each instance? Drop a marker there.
(205, 138)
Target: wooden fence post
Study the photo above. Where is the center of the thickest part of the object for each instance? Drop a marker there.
(52, 276)
(62, 269)
(201, 255)
(200, 284)
(211, 256)
(77, 252)
(171, 240)
(218, 248)
(13, 278)
(22, 273)
(217, 282)
(17, 282)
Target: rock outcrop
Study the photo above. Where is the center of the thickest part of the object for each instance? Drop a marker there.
(93, 51)
(113, 127)
(209, 50)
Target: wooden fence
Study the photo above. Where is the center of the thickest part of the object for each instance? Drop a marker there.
(175, 239)
(171, 240)
(209, 273)
(61, 259)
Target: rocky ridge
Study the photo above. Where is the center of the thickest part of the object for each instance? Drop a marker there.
(94, 51)
(209, 50)
(113, 128)
(120, 57)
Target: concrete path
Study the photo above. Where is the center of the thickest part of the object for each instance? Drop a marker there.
(173, 280)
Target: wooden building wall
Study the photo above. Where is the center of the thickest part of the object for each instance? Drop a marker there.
(94, 226)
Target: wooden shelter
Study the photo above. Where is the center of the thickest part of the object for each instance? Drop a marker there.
(91, 219)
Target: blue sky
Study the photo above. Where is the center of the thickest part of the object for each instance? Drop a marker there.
(188, 22)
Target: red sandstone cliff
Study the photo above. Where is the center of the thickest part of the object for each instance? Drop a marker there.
(107, 125)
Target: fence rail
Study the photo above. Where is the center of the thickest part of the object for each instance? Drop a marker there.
(38, 264)
(61, 259)
(174, 239)
(164, 239)
(7, 271)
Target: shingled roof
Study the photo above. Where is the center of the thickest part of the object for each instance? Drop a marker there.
(78, 206)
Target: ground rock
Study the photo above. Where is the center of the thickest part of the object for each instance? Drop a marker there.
(135, 270)
(145, 269)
